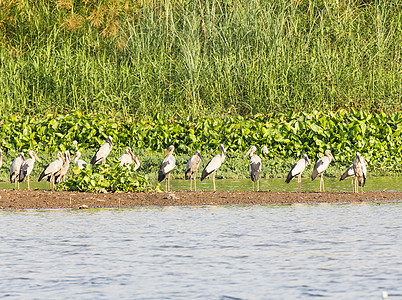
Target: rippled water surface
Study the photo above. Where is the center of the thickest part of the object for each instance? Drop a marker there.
(342, 251)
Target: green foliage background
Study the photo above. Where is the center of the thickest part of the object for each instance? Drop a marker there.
(376, 135)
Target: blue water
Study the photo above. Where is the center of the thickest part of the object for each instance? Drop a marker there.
(337, 251)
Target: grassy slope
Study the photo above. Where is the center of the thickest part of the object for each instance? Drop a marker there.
(199, 57)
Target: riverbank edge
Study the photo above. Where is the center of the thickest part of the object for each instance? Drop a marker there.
(39, 199)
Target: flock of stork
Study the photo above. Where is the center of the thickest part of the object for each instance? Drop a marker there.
(56, 171)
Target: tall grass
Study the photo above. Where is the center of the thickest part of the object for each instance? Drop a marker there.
(199, 57)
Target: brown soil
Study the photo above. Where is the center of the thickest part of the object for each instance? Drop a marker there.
(39, 199)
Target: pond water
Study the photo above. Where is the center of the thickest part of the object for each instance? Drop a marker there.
(337, 251)
(270, 184)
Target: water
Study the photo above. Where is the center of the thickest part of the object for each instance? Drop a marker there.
(337, 251)
(270, 184)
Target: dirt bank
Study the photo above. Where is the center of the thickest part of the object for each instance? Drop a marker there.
(39, 199)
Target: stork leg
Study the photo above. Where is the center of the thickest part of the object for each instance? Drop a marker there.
(195, 181)
(356, 186)
(166, 183)
(322, 182)
(191, 182)
(28, 181)
(258, 185)
(299, 182)
(213, 179)
(253, 185)
(353, 186)
(169, 181)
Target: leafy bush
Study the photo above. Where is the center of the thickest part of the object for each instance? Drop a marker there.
(110, 178)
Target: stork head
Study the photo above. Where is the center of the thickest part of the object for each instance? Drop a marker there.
(33, 155)
(109, 140)
(265, 150)
(169, 150)
(75, 143)
(128, 150)
(329, 155)
(67, 156)
(222, 148)
(251, 151)
(306, 159)
(60, 156)
(22, 155)
(198, 153)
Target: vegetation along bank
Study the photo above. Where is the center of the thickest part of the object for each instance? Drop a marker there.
(377, 136)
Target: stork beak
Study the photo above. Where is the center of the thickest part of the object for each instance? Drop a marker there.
(166, 154)
(333, 157)
(36, 157)
(248, 152)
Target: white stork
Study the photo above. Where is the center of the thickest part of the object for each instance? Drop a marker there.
(297, 170)
(213, 165)
(103, 152)
(349, 173)
(52, 168)
(320, 166)
(254, 166)
(128, 158)
(61, 174)
(79, 162)
(191, 168)
(15, 169)
(360, 169)
(167, 166)
(27, 167)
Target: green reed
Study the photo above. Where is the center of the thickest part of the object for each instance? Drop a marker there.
(199, 57)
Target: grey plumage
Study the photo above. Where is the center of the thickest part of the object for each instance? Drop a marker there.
(103, 152)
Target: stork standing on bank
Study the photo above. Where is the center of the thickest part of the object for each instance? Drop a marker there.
(191, 168)
(27, 167)
(167, 166)
(349, 173)
(61, 174)
(254, 166)
(128, 158)
(320, 166)
(15, 169)
(297, 170)
(213, 165)
(360, 169)
(103, 152)
(79, 162)
(52, 168)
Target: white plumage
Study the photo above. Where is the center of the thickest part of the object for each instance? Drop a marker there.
(27, 167)
(360, 170)
(15, 169)
(213, 165)
(52, 168)
(128, 158)
(79, 162)
(191, 168)
(254, 166)
(103, 152)
(167, 166)
(349, 173)
(297, 170)
(320, 166)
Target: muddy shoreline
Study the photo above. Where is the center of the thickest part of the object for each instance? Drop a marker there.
(40, 199)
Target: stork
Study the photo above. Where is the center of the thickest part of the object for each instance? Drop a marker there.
(52, 168)
(349, 173)
(27, 167)
(360, 169)
(103, 152)
(79, 162)
(254, 166)
(320, 166)
(15, 169)
(167, 166)
(128, 158)
(191, 168)
(297, 170)
(214, 165)
(60, 175)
